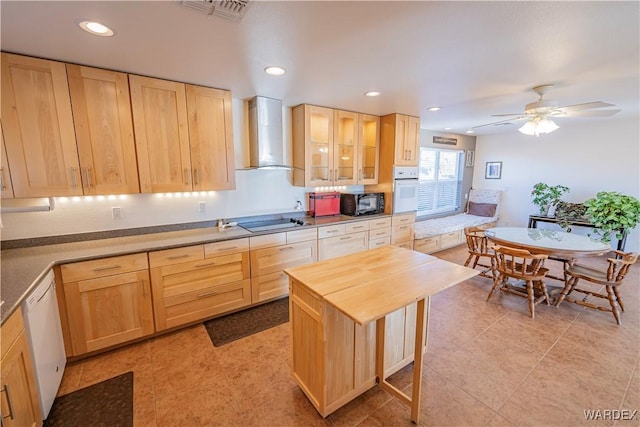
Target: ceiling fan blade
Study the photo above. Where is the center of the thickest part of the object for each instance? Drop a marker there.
(516, 119)
(506, 115)
(595, 113)
(585, 106)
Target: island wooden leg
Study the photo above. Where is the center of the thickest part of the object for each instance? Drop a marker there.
(421, 325)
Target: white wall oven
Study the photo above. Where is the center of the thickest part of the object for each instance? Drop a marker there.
(405, 189)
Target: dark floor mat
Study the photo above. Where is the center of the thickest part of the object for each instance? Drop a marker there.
(109, 403)
(231, 327)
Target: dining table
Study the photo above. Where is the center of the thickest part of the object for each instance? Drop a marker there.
(557, 245)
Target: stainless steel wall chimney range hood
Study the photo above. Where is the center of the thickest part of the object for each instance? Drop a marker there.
(266, 141)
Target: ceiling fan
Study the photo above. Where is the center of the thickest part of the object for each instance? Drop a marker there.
(538, 114)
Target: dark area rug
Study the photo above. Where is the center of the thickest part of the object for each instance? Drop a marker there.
(109, 403)
(231, 327)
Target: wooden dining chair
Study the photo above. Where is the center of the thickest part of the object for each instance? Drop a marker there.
(479, 249)
(611, 279)
(520, 264)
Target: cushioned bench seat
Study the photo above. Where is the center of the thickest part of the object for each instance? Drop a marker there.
(436, 234)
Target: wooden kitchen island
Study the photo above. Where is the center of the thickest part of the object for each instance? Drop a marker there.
(359, 318)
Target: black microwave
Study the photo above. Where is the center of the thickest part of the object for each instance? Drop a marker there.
(357, 204)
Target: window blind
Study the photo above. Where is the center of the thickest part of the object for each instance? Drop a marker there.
(440, 181)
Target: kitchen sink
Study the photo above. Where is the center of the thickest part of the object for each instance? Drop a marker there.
(273, 224)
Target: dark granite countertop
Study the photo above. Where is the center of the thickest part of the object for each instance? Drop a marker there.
(22, 268)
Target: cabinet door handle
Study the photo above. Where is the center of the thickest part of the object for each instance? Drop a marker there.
(208, 294)
(286, 248)
(208, 264)
(6, 390)
(2, 179)
(229, 248)
(186, 176)
(345, 238)
(196, 176)
(178, 256)
(72, 173)
(111, 267)
(144, 289)
(87, 177)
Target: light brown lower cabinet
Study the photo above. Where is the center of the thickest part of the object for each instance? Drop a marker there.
(197, 282)
(270, 257)
(334, 357)
(108, 301)
(18, 393)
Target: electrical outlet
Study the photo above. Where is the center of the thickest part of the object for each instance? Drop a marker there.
(202, 207)
(116, 213)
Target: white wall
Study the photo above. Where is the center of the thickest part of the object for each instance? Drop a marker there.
(587, 158)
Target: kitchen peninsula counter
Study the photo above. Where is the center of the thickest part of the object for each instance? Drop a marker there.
(22, 268)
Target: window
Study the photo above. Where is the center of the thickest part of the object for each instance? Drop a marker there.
(440, 181)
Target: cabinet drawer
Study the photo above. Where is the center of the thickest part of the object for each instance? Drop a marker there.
(302, 235)
(226, 247)
(103, 267)
(201, 304)
(379, 223)
(406, 245)
(377, 233)
(379, 242)
(342, 245)
(176, 256)
(267, 241)
(427, 245)
(272, 260)
(402, 233)
(356, 227)
(450, 239)
(269, 286)
(331, 231)
(403, 219)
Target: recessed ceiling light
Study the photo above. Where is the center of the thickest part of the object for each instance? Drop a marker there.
(469, 131)
(447, 128)
(372, 93)
(433, 109)
(96, 28)
(275, 70)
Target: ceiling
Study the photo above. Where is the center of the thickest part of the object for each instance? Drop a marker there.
(472, 59)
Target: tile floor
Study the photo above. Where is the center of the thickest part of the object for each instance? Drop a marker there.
(488, 364)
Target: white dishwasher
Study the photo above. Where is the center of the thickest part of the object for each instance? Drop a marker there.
(44, 332)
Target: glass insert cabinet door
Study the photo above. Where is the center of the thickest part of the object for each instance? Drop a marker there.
(345, 139)
(320, 127)
(368, 149)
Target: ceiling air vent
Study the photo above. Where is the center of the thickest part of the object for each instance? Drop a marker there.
(232, 10)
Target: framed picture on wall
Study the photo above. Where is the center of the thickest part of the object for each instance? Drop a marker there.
(469, 157)
(493, 170)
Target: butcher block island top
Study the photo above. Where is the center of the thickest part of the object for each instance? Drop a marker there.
(339, 352)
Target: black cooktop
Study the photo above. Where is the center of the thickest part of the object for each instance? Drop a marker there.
(272, 224)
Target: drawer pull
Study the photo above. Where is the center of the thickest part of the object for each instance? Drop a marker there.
(332, 231)
(345, 238)
(111, 267)
(208, 264)
(6, 390)
(178, 256)
(382, 233)
(208, 294)
(286, 248)
(228, 248)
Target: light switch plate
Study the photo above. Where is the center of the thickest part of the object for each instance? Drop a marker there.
(116, 212)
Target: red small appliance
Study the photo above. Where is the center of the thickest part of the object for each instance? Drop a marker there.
(324, 204)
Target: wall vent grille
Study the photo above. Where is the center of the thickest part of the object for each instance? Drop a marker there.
(232, 10)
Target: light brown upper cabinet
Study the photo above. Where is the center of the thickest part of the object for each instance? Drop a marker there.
(162, 134)
(334, 147)
(38, 128)
(183, 135)
(400, 136)
(5, 175)
(104, 130)
(368, 148)
(210, 138)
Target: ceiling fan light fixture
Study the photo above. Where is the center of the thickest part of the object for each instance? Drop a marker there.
(537, 126)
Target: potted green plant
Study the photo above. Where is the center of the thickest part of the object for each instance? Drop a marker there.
(545, 196)
(612, 212)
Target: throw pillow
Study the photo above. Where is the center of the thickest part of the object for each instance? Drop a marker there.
(482, 209)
